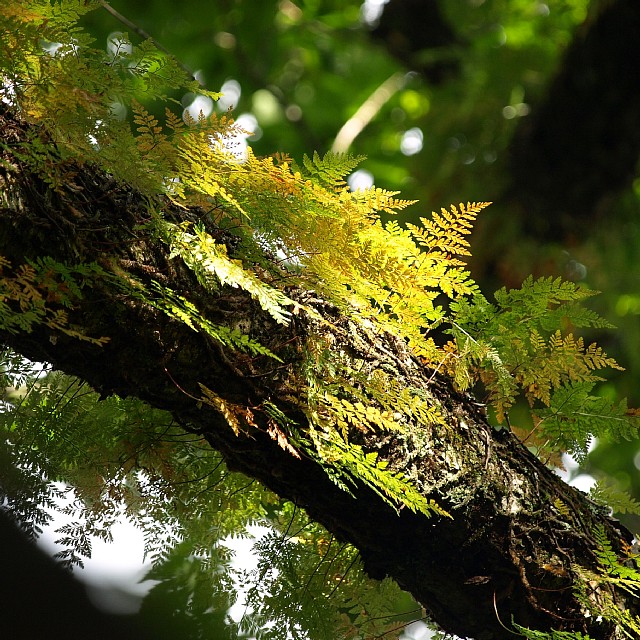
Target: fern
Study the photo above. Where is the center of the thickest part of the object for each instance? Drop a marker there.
(346, 414)
(333, 240)
(623, 574)
(347, 461)
(292, 225)
(181, 309)
(39, 292)
(231, 413)
(607, 493)
(121, 455)
(396, 399)
(331, 169)
(531, 634)
(516, 345)
(185, 491)
(377, 199)
(444, 232)
(613, 570)
(292, 588)
(76, 539)
(574, 416)
(87, 81)
(212, 266)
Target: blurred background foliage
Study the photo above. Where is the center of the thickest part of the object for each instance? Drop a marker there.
(534, 106)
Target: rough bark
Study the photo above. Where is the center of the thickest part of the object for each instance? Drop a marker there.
(506, 554)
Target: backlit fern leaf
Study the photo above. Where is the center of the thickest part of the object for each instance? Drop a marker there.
(535, 298)
(345, 414)
(574, 416)
(609, 494)
(396, 398)
(523, 329)
(556, 361)
(626, 574)
(375, 199)
(40, 292)
(348, 461)
(445, 232)
(211, 264)
(331, 169)
(532, 634)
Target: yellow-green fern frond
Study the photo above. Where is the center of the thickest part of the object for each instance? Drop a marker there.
(211, 264)
(375, 199)
(331, 169)
(445, 232)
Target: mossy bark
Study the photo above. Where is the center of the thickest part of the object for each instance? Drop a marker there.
(507, 554)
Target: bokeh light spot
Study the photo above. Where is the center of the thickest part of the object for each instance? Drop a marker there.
(628, 304)
(225, 40)
(371, 10)
(360, 180)
(516, 110)
(200, 105)
(412, 141)
(414, 103)
(266, 107)
(231, 95)
(293, 113)
(249, 123)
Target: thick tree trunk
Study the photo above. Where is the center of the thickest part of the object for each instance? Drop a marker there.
(580, 146)
(508, 554)
(42, 600)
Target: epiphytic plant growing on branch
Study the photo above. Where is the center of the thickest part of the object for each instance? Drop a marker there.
(296, 326)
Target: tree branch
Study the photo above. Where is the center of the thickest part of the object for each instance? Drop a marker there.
(508, 554)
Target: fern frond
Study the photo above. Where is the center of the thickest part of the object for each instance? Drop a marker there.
(608, 493)
(375, 199)
(408, 402)
(229, 411)
(574, 416)
(349, 461)
(212, 266)
(41, 291)
(445, 231)
(532, 634)
(624, 574)
(183, 310)
(331, 169)
(535, 297)
(345, 414)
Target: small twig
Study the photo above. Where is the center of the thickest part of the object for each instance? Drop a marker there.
(143, 34)
(343, 577)
(495, 608)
